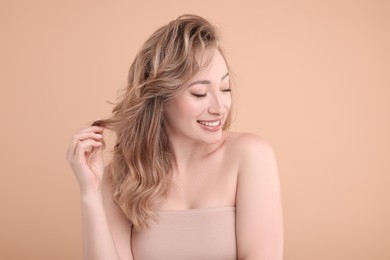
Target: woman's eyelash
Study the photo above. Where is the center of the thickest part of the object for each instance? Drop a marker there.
(203, 95)
(198, 95)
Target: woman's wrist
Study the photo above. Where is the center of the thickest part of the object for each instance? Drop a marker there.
(90, 196)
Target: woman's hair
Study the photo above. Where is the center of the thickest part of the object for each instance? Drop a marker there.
(142, 163)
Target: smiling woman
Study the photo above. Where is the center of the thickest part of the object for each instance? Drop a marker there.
(180, 185)
(204, 104)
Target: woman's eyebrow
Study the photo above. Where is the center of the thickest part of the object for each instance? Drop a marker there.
(206, 81)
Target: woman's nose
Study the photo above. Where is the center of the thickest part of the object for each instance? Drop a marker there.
(216, 105)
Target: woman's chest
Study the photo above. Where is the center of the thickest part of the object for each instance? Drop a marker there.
(211, 183)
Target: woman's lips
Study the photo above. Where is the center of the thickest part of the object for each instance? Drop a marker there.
(211, 125)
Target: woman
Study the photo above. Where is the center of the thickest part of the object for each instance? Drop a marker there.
(179, 186)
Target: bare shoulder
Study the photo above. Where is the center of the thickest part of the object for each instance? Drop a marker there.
(250, 154)
(258, 199)
(247, 145)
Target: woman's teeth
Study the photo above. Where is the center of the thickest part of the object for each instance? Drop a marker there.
(212, 124)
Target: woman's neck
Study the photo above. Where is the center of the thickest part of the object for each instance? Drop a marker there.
(187, 151)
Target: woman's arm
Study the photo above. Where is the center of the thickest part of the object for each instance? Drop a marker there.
(259, 221)
(106, 232)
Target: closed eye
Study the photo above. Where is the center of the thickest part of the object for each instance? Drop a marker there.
(226, 90)
(198, 95)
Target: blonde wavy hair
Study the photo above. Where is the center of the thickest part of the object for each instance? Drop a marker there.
(142, 163)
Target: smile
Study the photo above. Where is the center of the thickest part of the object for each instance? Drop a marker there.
(210, 123)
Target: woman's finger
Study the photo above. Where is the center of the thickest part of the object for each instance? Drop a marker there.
(97, 129)
(84, 136)
(87, 131)
(93, 155)
(84, 147)
(90, 132)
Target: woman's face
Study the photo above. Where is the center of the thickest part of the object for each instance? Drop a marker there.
(200, 111)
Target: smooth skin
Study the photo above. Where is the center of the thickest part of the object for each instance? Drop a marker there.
(214, 168)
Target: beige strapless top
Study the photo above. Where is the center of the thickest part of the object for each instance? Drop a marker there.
(193, 234)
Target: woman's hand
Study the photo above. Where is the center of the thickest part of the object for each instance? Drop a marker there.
(85, 156)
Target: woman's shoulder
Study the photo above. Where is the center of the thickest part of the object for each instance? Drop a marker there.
(244, 145)
(246, 141)
(250, 153)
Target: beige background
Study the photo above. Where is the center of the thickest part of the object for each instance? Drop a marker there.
(312, 77)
